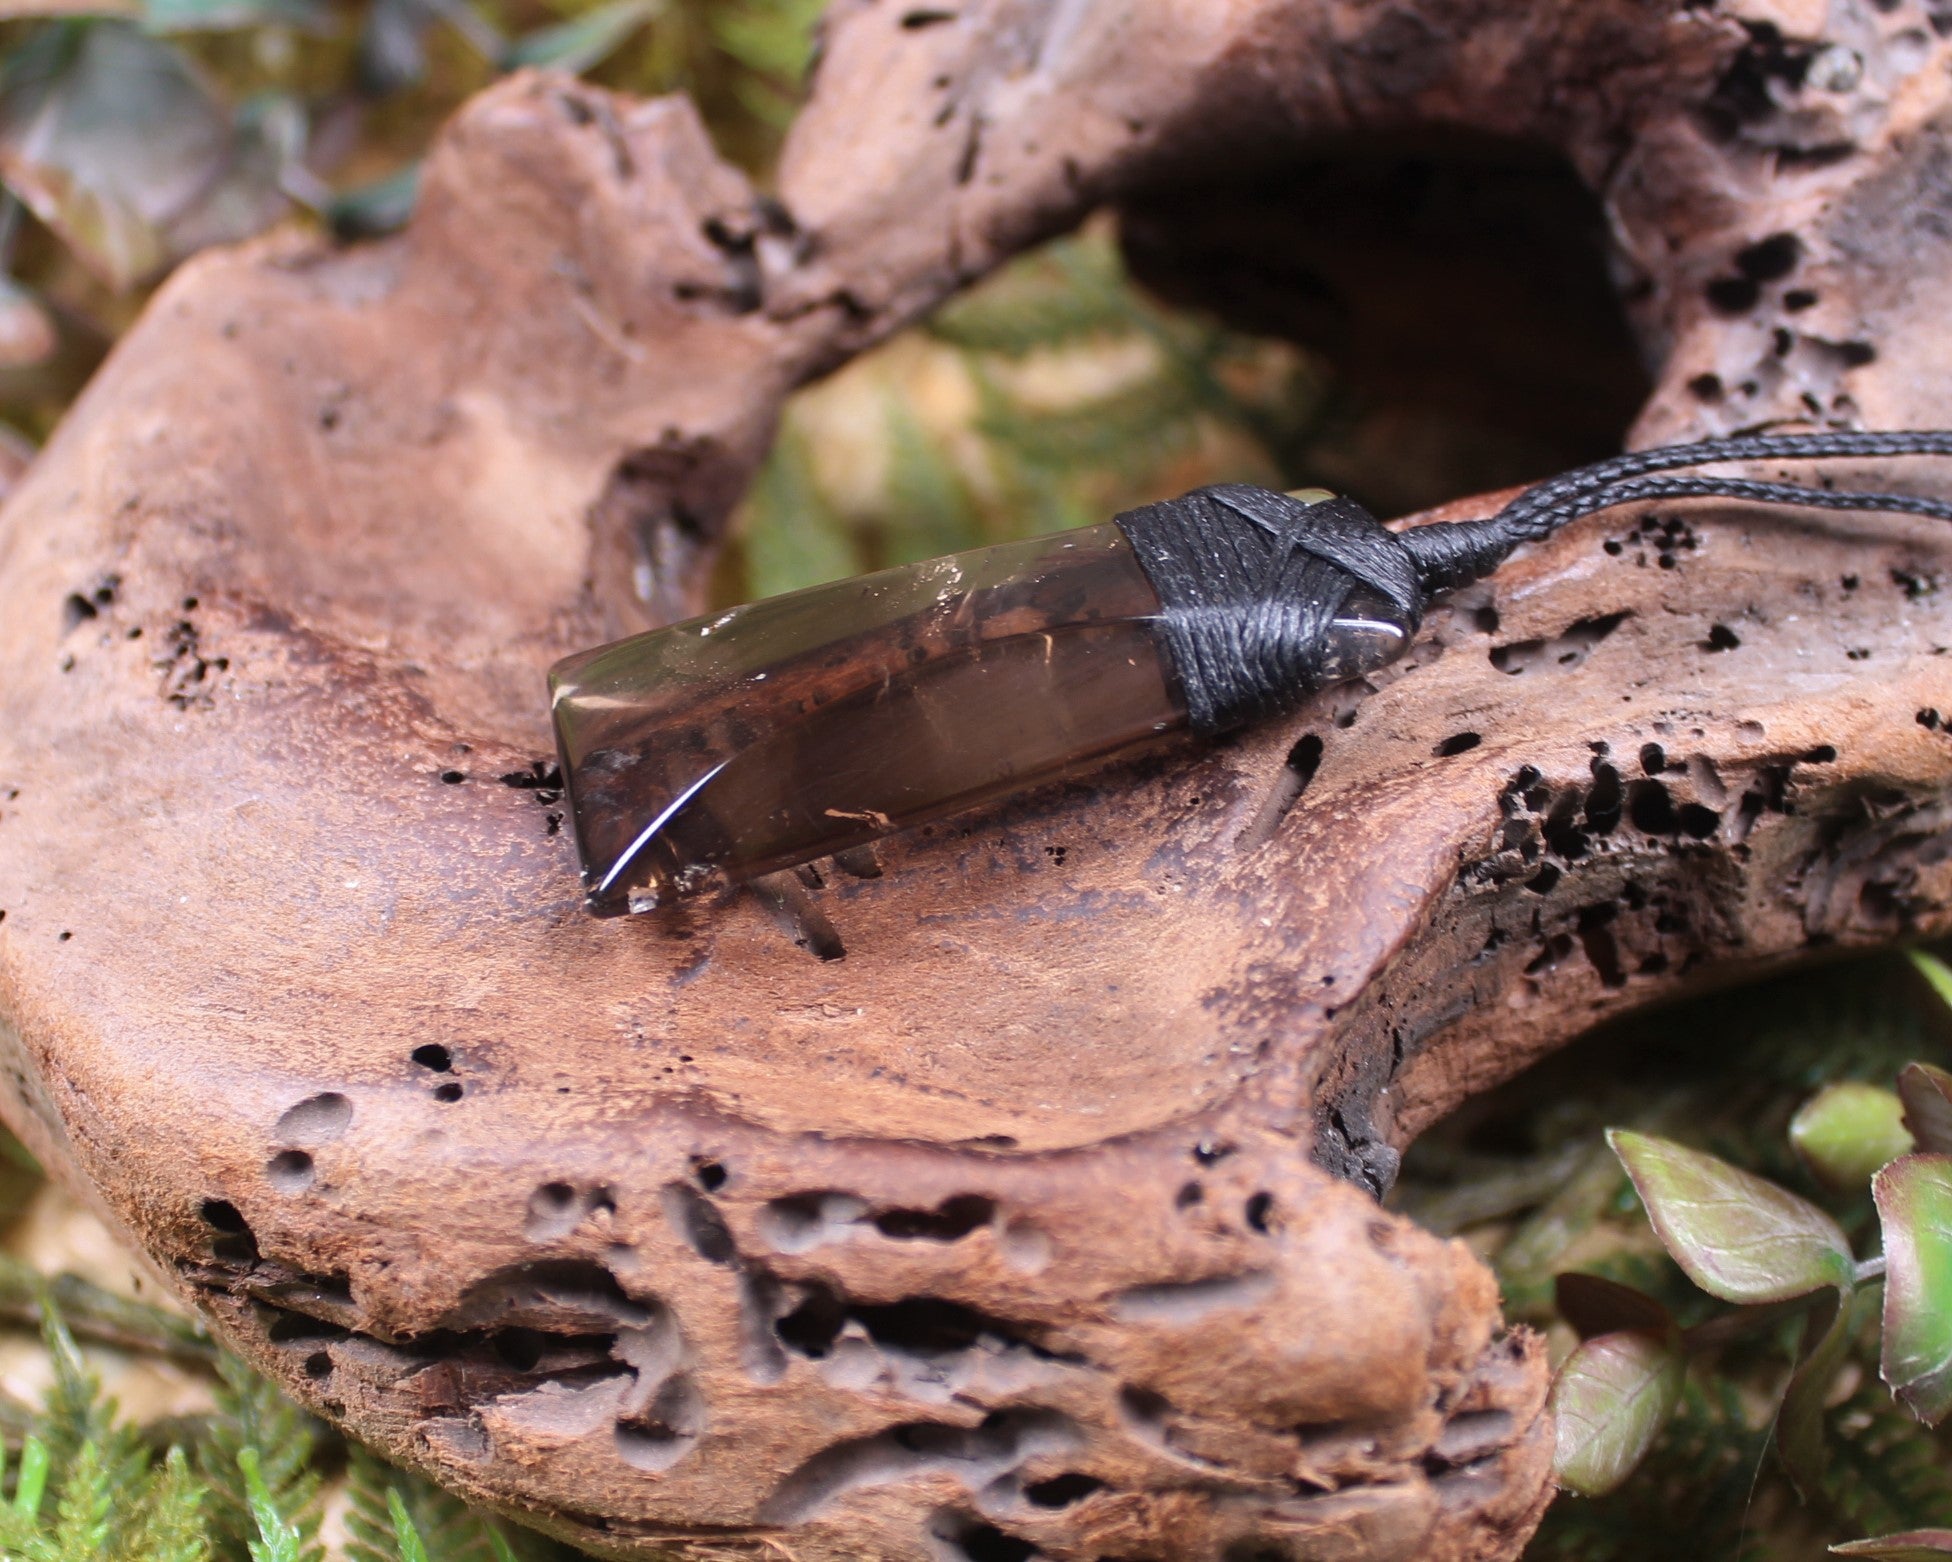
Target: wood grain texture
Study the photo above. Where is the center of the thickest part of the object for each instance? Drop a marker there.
(1041, 1221)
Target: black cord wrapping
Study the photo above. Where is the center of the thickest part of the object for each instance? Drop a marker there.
(1251, 582)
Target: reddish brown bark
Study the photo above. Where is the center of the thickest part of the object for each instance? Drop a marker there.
(1044, 1214)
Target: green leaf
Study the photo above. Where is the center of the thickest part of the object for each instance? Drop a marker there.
(1611, 1398)
(278, 1539)
(1927, 1094)
(1735, 1235)
(170, 1526)
(81, 1516)
(1595, 1305)
(31, 1486)
(74, 1413)
(111, 138)
(1799, 1423)
(1847, 1130)
(1913, 1545)
(583, 41)
(1914, 1206)
(1536, 1252)
(1936, 972)
(405, 1535)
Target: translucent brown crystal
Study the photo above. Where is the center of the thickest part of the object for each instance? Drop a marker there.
(754, 739)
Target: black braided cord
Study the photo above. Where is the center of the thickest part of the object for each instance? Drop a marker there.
(1254, 585)
(1751, 492)
(1543, 508)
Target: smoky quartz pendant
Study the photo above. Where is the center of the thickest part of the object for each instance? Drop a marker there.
(766, 736)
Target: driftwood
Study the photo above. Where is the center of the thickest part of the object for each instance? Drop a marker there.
(1041, 1218)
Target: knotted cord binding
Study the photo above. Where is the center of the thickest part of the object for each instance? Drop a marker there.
(1249, 582)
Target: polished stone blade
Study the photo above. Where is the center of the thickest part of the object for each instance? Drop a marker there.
(766, 736)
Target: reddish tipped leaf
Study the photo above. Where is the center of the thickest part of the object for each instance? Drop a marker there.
(1737, 1236)
(1912, 1545)
(1610, 1401)
(1927, 1094)
(1914, 1205)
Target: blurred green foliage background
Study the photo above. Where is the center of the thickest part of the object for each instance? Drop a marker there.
(135, 132)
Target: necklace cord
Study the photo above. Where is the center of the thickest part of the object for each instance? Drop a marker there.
(1451, 554)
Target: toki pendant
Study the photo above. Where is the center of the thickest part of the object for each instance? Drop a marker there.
(760, 738)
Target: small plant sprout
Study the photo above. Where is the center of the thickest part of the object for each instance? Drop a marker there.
(1846, 1131)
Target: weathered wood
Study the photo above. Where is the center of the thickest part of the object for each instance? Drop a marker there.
(1042, 1218)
